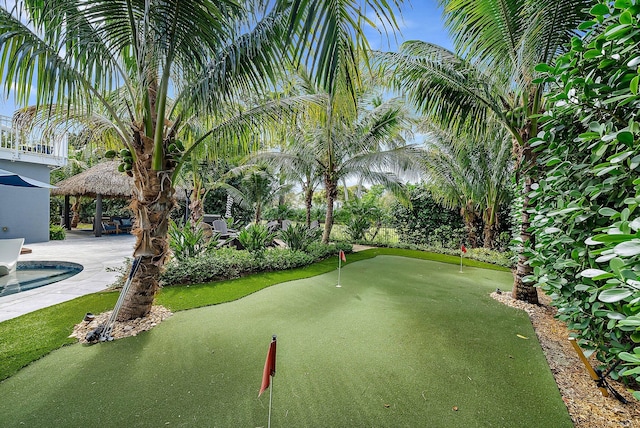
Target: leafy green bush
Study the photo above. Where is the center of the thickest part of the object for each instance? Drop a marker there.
(416, 224)
(587, 228)
(298, 236)
(189, 240)
(56, 233)
(227, 263)
(256, 238)
(499, 258)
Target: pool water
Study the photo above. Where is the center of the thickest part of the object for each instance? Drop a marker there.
(34, 274)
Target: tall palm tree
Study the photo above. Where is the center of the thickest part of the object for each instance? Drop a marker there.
(502, 42)
(153, 66)
(366, 144)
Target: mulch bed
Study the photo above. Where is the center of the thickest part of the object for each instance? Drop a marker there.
(587, 407)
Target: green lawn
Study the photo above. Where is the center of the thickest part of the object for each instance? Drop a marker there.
(400, 344)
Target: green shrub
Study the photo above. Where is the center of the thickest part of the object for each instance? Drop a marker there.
(416, 224)
(189, 241)
(299, 237)
(256, 238)
(586, 221)
(227, 263)
(57, 233)
(499, 258)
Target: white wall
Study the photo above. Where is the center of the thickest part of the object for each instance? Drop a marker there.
(24, 212)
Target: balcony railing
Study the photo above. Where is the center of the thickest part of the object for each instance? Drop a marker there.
(31, 147)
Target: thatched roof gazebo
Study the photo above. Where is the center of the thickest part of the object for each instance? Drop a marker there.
(100, 181)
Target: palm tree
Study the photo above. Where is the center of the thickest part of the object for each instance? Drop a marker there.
(502, 42)
(472, 175)
(152, 67)
(257, 189)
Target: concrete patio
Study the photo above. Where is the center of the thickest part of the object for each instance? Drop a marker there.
(95, 254)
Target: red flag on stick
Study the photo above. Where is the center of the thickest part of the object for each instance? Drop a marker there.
(342, 256)
(463, 248)
(269, 366)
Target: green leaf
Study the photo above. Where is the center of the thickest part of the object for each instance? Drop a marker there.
(616, 265)
(586, 25)
(599, 10)
(633, 85)
(628, 249)
(607, 212)
(625, 137)
(593, 273)
(542, 68)
(622, 4)
(632, 358)
(592, 53)
(625, 17)
(613, 295)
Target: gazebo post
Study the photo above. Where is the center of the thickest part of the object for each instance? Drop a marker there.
(67, 220)
(97, 221)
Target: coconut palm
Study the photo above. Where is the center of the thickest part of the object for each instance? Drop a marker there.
(502, 42)
(152, 67)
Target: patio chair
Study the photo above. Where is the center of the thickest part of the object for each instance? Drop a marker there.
(109, 227)
(220, 227)
(9, 253)
(123, 224)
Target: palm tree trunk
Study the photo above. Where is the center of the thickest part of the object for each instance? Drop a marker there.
(308, 200)
(331, 189)
(522, 290)
(153, 201)
(488, 235)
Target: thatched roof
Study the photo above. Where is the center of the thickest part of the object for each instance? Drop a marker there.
(102, 179)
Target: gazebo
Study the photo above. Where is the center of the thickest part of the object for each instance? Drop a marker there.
(100, 181)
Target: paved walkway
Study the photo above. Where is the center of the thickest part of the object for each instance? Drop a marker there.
(95, 254)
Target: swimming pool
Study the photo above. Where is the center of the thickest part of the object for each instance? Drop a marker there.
(34, 274)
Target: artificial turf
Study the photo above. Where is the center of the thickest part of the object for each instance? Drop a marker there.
(402, 343)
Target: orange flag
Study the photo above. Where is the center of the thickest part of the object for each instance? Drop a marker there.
(342, 256)
(269, 366)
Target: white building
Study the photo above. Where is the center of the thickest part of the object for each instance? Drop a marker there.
(24, 212)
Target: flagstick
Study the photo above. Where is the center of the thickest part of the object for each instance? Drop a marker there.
(339, 266)
(461, 262)
(270, 401)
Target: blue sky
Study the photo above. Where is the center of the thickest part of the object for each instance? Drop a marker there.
(420, 20)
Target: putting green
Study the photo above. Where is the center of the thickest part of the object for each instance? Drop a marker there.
(401, 344)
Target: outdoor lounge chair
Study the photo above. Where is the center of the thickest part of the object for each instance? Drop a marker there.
(220, 227)
(123, 225)
(9, 253)
(109, 227)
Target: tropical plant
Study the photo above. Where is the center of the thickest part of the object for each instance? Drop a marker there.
(189, 240)
(257, 188)
(587, 254)
(299, 236)
(502, 42)
(365, 215)
(157, 77)
(471, 174)
(256, 238)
